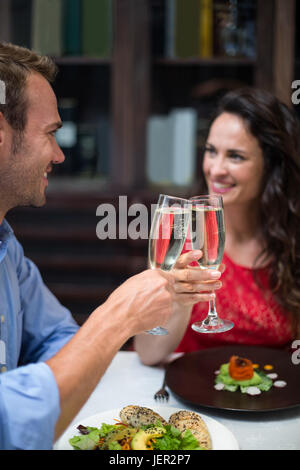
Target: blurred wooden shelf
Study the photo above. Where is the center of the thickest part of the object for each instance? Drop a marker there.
(204, 62)
(98, 264)
(82, 60)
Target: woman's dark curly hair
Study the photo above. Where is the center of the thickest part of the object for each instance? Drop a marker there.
(277, 130)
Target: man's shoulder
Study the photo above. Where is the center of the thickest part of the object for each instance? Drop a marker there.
(13, 247)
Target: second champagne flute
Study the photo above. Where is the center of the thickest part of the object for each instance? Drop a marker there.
(208, 235)
(167, 236)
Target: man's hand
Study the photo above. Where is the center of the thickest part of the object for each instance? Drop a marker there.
(146, 300)
(190, 284)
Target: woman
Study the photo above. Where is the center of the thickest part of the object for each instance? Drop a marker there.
(252, 159)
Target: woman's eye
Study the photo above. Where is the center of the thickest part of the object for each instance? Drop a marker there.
(210, 150)
(236, 157)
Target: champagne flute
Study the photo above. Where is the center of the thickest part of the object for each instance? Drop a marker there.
(167, 236)
(208, 235)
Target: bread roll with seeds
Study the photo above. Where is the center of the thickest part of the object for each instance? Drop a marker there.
(184, 420)
(138, 416)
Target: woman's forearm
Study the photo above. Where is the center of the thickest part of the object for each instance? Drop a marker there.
(154, 349)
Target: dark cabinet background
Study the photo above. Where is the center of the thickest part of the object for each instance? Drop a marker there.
(124, 90)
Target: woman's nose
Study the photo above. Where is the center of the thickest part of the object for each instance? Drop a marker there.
(218, 166)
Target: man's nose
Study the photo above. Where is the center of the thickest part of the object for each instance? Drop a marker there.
(59, 156)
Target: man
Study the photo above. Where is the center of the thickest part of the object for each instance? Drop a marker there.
(50, 367)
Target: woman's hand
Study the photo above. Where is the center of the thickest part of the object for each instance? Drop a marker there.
(190, 284)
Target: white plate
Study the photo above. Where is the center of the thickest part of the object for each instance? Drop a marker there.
(222, 438)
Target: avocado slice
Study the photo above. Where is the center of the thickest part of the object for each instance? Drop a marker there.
(118, 435)
(141, 438)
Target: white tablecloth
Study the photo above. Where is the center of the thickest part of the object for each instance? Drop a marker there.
(128, 382)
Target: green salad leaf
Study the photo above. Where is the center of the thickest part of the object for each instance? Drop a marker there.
(86, 441)
(114, 446)
(174, 440)
(106, 429)
(189, 442)
(259, 380)
(171, 440)
(90, 439)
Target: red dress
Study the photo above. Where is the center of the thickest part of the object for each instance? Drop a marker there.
(257, 317)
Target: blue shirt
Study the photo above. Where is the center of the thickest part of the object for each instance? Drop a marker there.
(33, 327)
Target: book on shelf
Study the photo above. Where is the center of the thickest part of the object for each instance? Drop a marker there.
(183, 145)
(170, 17)
(206, 29)
(171, 147)
(97, 28)
(21, 22)
(47, 27)
(157, 22)
(64, 27)
(71, 27)
(158, 150)
(188, 28)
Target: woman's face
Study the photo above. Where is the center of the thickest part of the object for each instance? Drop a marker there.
(233, 162)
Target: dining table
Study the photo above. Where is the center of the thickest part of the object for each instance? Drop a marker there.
(127, 381)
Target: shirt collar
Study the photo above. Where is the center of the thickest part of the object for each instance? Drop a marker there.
(6, 232)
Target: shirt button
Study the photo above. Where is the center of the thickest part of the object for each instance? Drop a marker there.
(3, 369)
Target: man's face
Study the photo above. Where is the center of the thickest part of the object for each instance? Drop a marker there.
(24, 171)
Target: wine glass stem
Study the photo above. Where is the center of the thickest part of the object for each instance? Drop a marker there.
(212, 312)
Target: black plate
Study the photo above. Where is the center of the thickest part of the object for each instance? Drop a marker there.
(191, 378)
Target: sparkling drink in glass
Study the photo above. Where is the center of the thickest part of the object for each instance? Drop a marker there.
(208, 235)
(167, 236)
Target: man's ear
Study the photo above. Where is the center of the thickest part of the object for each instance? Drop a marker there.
(5, 129)
(2, 128)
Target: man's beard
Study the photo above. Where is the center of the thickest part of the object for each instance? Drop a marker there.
(21, 184)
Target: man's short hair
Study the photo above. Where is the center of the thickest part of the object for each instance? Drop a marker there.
(16, 64)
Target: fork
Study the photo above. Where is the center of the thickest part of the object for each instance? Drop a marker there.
(162, 394)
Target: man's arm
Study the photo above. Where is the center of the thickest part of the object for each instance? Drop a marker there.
(45, 325)
(142, 302)
(36, 397)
